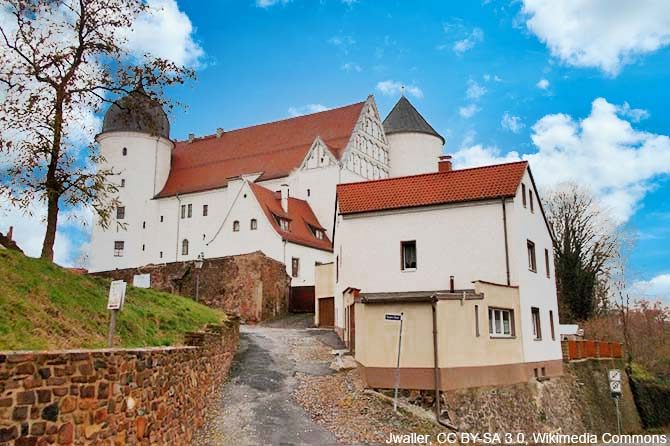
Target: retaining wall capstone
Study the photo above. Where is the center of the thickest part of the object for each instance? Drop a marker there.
(113, 397)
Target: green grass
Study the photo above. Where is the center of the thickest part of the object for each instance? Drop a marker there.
(43, 306)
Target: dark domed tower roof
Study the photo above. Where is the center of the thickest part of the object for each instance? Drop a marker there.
(137, 112)
(404, 118)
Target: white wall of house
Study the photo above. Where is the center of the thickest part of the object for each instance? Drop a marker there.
(413, 153)
(535, 288)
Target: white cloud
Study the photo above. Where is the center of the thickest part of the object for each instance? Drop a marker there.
(492, 77)
(349, 2)
(602, 151)
(29, 232)
(394, 88)
(604, 34)
(656, 287)
(475, 90)
(342, 42)
(165, 32)
(306, 109)
(468, 111)
(542, 84)
(268, 3)
(479, 155)
(466, 44)
(511, 123)
(351, 66)
(635, 114)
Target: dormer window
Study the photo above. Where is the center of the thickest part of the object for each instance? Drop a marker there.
(319, 233)
(284, 224)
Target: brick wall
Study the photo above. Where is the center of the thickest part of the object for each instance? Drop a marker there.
(251, 286)
(148, 396)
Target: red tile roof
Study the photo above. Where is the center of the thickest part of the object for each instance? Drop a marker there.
(273, 149)
(479, 183)
(299, 214)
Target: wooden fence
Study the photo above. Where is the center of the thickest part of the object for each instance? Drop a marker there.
(573, 350)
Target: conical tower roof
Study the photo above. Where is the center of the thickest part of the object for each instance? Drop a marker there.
(137, 112)
(404, 118)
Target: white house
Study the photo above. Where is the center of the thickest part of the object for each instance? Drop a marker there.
(473, 242)
(269, 187)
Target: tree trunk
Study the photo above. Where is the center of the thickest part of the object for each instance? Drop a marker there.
(52, 224)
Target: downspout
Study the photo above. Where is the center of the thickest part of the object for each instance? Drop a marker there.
(504, 216)
(436, 372)
(176, 253)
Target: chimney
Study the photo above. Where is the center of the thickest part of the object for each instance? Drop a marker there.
(191, 137)
(10, 233)
(444, 163)
(219, 132)
(284, 197)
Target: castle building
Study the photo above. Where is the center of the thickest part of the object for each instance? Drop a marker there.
(269, 187)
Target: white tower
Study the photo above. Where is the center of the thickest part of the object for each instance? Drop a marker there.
(135, 143)
(414, 146)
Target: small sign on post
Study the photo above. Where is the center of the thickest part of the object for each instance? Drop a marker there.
(396, 318)
(614, 378)
(115, 301)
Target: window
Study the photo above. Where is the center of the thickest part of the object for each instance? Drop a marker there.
(318, 233)
(183, 211)
(501, 322)
(120, 212)
(295, 267)
(537, 328)
(123, 182)
(190, 210)
(253, 224)
(530, 197)
(144, 225)
(523, 194)
(143, 246)
(184, 247)
(161, 219)
(408, 255)
(532, 265)
(236, 226)
(160, 254)
(308, 192)
(205, 210)
(118, 249)
(284, 224)
(546, 262)
(551, 325)
(124, 151)
(477, 320)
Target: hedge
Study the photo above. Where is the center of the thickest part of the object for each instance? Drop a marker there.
(652, 398)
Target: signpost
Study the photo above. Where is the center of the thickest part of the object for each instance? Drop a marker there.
(614, 376)
(117, 297)
(396, 318)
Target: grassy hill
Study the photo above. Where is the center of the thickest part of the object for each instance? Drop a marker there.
(43, 306)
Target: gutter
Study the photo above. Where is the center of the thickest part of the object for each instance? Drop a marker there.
(176, 254)
(436, 370)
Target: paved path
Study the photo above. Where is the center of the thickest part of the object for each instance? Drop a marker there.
(255, 405)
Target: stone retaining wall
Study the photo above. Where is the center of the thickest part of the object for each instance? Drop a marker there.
(113, 397)
(252, 286)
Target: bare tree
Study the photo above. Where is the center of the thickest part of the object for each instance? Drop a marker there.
(62, 59)
(586, 244)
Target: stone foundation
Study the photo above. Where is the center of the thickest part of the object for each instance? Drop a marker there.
(113, 397)
(251, 286)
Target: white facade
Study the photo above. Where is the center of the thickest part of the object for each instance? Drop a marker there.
(153, 231)
(466, 241)
(413, 153)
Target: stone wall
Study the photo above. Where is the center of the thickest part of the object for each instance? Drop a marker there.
(251, 286)
(575, 403)
(113, 397)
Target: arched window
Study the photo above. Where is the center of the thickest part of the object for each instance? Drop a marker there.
(253, 224)
(184, 247)
(236, 226)
(124, 151)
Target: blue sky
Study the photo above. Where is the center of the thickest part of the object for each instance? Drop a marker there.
(499, 79)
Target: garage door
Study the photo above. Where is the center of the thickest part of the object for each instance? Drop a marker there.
(327, 312)
(301, 299)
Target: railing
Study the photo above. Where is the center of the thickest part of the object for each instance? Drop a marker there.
(573, 350)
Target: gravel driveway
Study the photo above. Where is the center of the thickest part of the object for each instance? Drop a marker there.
(255, 406)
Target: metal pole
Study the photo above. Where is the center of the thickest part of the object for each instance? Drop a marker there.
(397, 369)
(618, 415)
(112, 328)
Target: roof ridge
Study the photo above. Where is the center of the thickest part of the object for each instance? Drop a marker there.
(213, 135)
(433, 173)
